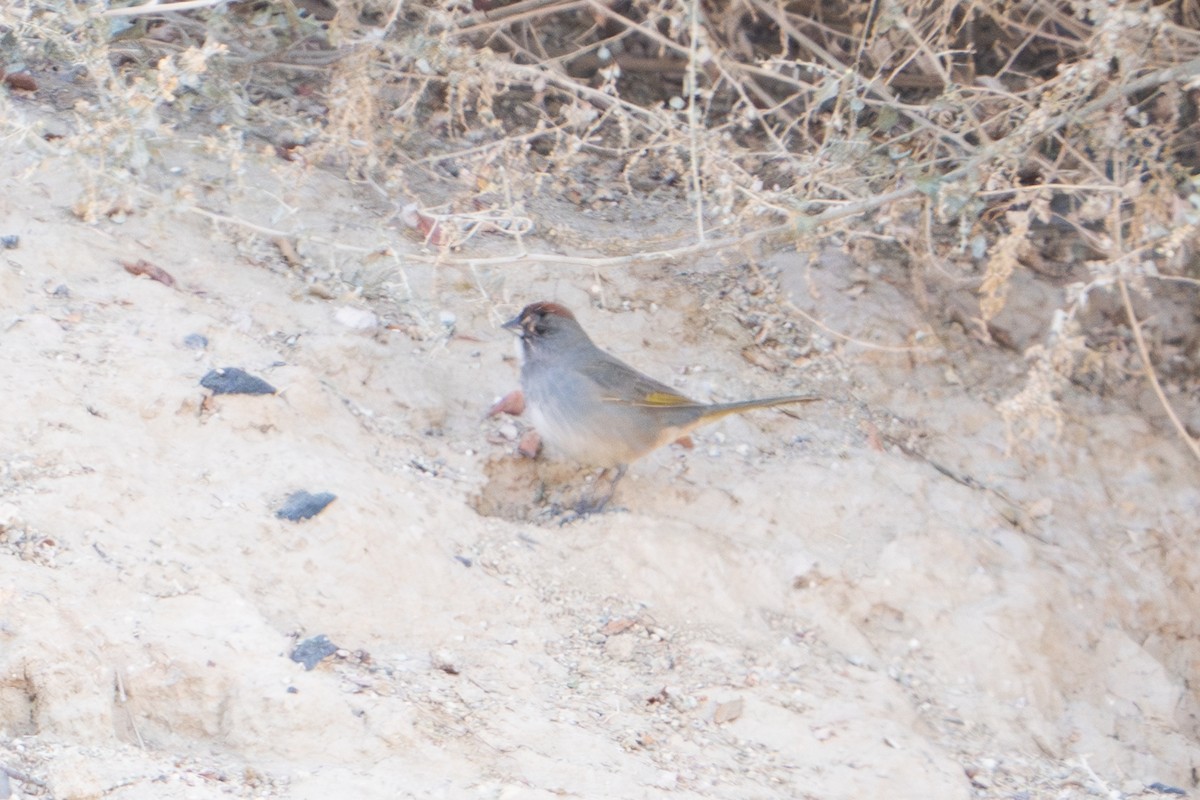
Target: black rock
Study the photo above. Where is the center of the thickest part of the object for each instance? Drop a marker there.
(231, 380)
(310, 652)
(304, 505)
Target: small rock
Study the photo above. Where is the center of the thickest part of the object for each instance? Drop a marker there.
(312, 651)
(231, 380)
(359, 319)
(512, 403)
(304, 505)
(979, 779)
(728, 711)
(530, 444)
(195, 341)
(445, 661)
(10, 242)
(617, 625)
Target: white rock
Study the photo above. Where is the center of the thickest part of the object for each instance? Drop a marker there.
(358, 319)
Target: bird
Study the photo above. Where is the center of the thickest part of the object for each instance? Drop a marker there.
(593, 408)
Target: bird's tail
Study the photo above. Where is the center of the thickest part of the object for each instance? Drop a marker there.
(718, 410)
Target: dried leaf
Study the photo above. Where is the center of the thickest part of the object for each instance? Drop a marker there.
(152, 271)
(288, 251)
(615, 626)
(21, 81)
(759, 359)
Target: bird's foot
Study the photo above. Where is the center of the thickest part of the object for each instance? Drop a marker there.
(597, 499)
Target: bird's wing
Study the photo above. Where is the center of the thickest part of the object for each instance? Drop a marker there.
(621, 383)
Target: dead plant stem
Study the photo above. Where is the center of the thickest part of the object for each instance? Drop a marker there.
(692, 88)
(158, 8)
(504, 15)
(1151, 375)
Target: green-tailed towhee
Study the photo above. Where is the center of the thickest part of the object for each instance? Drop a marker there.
(593, 408)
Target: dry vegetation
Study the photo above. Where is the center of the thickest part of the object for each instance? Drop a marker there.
(962, 139)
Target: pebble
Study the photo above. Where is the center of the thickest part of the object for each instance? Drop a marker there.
(312, 651)
(304, 505)
(445, 661)
(1162, 788)
(728, 711)
(231, 380)
(359, 319)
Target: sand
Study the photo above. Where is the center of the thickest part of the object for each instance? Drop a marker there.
(876, 597)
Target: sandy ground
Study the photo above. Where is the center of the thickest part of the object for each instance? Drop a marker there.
(871, 599)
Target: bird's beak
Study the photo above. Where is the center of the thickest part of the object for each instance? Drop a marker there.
(515, 326)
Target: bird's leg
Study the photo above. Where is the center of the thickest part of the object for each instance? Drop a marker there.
(594, 502)
(615, 474)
